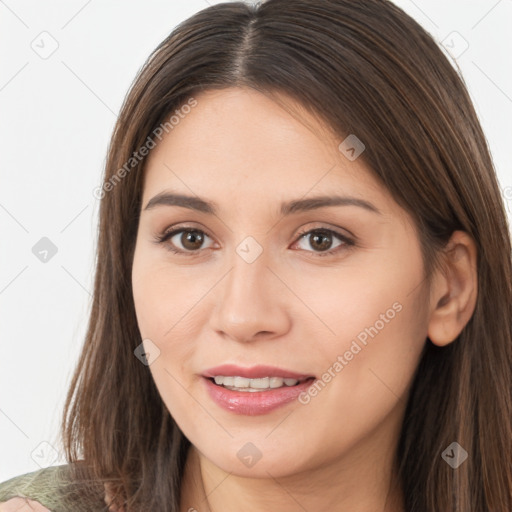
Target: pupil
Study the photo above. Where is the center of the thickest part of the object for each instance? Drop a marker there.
(189, 237)
(325, 237)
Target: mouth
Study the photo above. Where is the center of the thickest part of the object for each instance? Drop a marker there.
(244, 384)
(256, 390)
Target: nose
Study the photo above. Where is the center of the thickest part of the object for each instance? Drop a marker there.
(253, 302)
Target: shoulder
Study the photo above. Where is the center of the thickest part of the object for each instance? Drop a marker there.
(57, 488)
(35, 481)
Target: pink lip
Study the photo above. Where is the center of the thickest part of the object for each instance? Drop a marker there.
(254, 372)
(254, 403)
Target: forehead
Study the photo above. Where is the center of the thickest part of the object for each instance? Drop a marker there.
(240, 143)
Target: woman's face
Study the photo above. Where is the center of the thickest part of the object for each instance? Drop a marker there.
(271, 284)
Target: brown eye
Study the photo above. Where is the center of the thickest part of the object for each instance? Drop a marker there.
(188, 241)
(321, 241)
(191, 240)
(183, 240)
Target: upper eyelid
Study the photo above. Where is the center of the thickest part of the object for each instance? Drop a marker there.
(302, 230)
(169, 233)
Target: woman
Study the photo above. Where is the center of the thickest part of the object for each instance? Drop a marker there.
(303, 286)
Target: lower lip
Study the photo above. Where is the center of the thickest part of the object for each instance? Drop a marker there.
(254, 403)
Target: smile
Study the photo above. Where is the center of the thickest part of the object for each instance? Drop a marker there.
(254, 391)
(255, 385)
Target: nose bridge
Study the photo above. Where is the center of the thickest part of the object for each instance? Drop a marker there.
(247, 279)
(248, 302)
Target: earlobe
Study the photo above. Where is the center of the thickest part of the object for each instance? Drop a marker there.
(454, 290)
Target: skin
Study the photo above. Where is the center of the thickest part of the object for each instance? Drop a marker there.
(19, 504)
(242, 150)
(289, 308)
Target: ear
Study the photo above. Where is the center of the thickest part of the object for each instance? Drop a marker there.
(454, 290)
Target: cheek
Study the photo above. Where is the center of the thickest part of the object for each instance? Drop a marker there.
(377, 329)
(163, 308)
(372, 301)
(163, 296)
(169, 313)
(381, 327)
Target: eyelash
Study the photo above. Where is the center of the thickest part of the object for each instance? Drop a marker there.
(162, 238)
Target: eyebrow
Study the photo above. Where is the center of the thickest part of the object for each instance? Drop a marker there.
(287, 208)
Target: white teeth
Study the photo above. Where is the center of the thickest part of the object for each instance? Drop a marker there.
(241, 382)
(244, 384)
(276, 382)
(260, 383)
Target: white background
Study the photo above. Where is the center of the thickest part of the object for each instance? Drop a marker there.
(57, 118)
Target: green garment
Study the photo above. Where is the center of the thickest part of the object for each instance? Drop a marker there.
(53, 488)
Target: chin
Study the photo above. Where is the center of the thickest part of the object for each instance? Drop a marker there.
(258, 459)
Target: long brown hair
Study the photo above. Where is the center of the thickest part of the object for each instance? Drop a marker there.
(364, 68)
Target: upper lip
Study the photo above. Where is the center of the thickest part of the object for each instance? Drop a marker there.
(253, 372)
